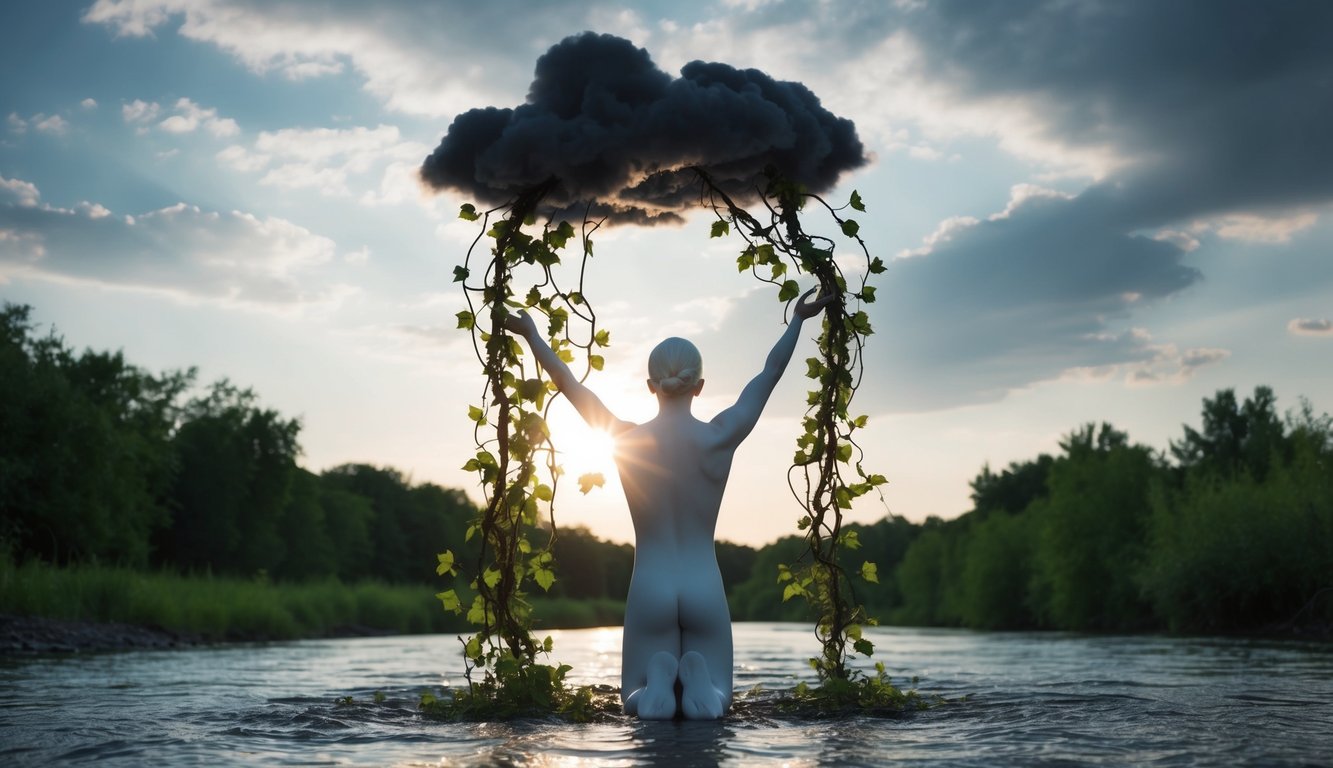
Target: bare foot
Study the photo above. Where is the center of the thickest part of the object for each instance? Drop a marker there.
(658, 699)
(699, 699)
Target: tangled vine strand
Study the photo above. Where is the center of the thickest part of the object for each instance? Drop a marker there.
(511, 435)
(828, 459)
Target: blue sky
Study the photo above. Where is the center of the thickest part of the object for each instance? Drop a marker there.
(1091, 212)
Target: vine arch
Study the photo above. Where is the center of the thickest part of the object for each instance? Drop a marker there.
(516, 460)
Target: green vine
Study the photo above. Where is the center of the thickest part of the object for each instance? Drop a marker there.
(515, 459)
(826, 474)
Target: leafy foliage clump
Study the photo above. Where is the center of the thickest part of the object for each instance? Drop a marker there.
(856, 693)
(524, 690)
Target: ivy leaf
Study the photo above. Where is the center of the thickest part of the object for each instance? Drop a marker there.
(476, 414)
(850, 227)
(543, 492)
(720, 229)
(870, 572)
(492, 577)
(876, 265)
(596, 362)
(789, 291)
(468, 212)
(591, 480)
(473, 648)
(460, 274)
(745, 260)
(544, 577)
(602, 338)
(466, 320)
(864, 647)
(792, 590)
(450, 600)
(446, 565)
(856, 203)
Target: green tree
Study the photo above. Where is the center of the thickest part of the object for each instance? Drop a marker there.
(1235, 437)
(1235, 552)
(929, 576)
(996, 573)
(1092, 533)
(236, 465)
(84, 453)
(1011, 491)
(388, 493)
(347, 519)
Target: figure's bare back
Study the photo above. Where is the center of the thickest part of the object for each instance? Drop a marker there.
(674, 470)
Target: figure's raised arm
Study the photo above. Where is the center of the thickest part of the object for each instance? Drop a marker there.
(584, 400)
(737, 421)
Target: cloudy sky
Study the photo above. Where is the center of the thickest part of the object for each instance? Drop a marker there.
(1091, 212)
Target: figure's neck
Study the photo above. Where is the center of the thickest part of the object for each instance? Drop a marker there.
(674, 406)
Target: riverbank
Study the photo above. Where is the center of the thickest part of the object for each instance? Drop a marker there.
(48, 609)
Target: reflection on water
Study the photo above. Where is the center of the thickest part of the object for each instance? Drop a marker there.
(1030, 698)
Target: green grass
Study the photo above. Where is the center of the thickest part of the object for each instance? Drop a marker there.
(217, 608)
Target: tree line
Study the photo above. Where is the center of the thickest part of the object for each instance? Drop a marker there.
(1230, 529)
(104, 462)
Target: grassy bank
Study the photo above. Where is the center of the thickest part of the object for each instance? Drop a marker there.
(217, 608)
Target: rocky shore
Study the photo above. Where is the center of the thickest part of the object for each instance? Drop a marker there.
(29, 635)
(35, 635)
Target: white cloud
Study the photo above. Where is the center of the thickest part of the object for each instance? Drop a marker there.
(1257, 228)
(190, 117)
(331, 159)
(88, 103)
(1309, 326)
(24, 193)
(52, 124)
(408, 53)
(140, 111)
(234, 258)
(1171, 365)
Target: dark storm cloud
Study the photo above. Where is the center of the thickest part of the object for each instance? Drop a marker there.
(1224, 104)
(1217, 107)
(1015, 299)
(618, 132)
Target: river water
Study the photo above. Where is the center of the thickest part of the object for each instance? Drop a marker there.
(1017, 699)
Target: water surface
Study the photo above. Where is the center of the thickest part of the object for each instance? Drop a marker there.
(1031, 699)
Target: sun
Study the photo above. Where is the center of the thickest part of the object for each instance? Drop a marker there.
(580, 449)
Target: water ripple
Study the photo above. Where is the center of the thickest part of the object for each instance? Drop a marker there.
(1024, 698)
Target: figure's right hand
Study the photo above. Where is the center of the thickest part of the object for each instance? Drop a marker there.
(807, 308)
(521, 323)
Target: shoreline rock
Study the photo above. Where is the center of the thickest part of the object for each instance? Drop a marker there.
(36, 635)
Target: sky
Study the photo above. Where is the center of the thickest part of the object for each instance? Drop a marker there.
(1096, 211)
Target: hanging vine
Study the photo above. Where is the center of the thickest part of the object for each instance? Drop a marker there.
(826, 474)
(515, 459)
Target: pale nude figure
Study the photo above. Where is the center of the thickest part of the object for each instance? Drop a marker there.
(676, 652)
